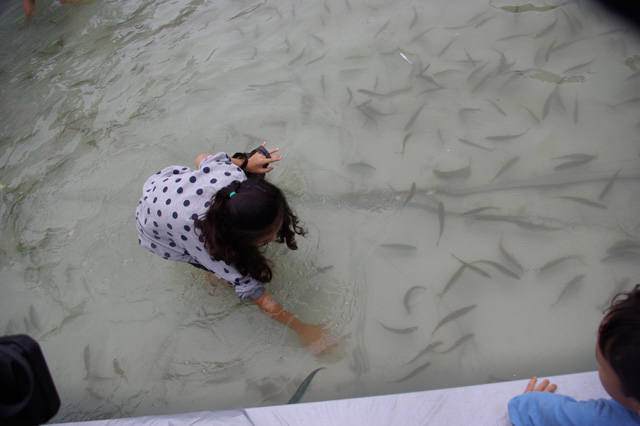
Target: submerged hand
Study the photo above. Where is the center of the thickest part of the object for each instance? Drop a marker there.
(258, 162)
(316, 338)
(544, 386)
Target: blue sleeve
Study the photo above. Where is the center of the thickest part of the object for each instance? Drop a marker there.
(544, 408)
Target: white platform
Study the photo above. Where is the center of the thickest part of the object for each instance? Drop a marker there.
(470, 405)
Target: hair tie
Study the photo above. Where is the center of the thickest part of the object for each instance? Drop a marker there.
(232, 194)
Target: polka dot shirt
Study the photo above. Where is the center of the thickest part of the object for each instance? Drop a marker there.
(172, 199)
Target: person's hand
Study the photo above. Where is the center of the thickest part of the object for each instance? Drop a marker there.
(544, 386)
(258, 161)
(316, 338)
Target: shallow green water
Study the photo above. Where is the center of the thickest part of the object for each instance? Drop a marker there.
(394, 120)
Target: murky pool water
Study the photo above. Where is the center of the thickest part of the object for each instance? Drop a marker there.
(412, 134)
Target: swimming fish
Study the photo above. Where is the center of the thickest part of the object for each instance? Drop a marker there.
(413, 118)
(574, 160)
(503, 138)
(452, 280)
(415, 18)
(399, 246)
(520, 221)
(303, 387)
(430, 347)
(584, 201)
(297, 58)
(410, 293)
(500, 268)
(527, 8)
(33, 318)
(87, 360)
(468, 142)
(550, 264)
(440, 220)
(607, 188)
(506, 165)
(453, 316)
(472, 267)
(462, 172)
(404, 141)
(497, 107)
(510, 258)
(406, 330)
(412, 192)
(444, 49)
(546, 29)
(361, 168)
(413, 372)
(245, 12)
(478, 210)
(570, 286)
(457, 343)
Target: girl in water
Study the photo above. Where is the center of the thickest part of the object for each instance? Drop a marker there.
(217, 218)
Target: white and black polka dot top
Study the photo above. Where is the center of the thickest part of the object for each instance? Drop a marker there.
(172, 199)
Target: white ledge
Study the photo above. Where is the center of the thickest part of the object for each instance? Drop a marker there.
(477, 405)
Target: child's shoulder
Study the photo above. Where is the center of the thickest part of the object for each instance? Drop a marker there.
(545, 408)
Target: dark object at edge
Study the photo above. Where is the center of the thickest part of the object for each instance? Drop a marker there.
(27, 393)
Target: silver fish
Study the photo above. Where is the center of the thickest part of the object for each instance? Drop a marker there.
(472, 267)
(303, 387)
(500, 268)
(468, 142)
(607, 188)
(503, 138)
(478, 210)
(575, 109)
(584, 201)
(444, 49)
(570, 286)
(547, 29)
(245, 12)
(297, 58)
(413, 372)
(462, 172)
(453, 316)
(550, 264)
(497, 107)
(520, 221)
(33, 318)
(384, 27)
(457, 343)
(430, 347)
(510, 258)
(401, 247)
(506, 165)
(452, 280)
(405, 140)
(527, 8)
(398, 330)
(319, 58)
(361, 168)
(384, 95)
(410, 293)
(412, 192)
(440, 220)
(415, 17)
(87, 360)
(413, 118)
(577, 67)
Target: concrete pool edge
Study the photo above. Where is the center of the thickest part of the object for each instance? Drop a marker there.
(484, 404)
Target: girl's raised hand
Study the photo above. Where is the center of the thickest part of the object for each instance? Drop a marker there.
(259, 163)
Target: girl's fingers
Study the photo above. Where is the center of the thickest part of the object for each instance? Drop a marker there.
(271, 151)
(543, 384)
(552, 388)
(531, 384)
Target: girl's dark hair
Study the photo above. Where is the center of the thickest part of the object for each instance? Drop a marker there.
(234, 223)
(619, 340)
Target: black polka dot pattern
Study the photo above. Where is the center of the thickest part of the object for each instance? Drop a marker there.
(172, 200)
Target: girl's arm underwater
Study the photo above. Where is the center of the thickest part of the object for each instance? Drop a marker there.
(313, 336)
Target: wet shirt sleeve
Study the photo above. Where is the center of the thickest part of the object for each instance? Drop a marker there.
(245, 287)
(544, 408)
